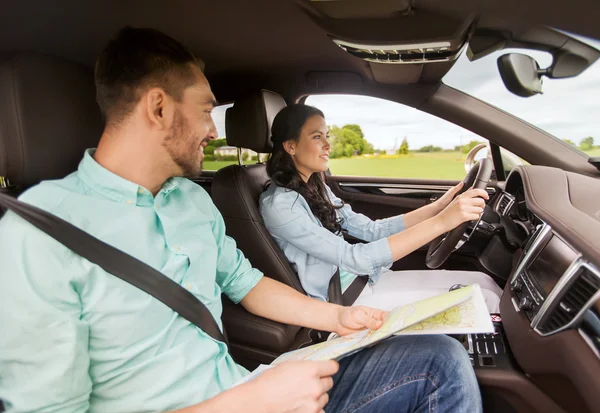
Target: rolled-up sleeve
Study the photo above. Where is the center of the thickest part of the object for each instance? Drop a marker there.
(44, 346)
(292, 223)
(363, 227)
(235, 274)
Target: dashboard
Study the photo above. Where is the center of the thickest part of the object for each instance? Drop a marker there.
(550, 306)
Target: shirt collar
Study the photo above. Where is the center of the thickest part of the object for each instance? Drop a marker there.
(115, 187)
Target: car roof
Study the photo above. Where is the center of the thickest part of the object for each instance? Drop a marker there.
(288, 44)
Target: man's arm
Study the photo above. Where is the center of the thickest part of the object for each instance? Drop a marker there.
(299, 386)
(44, 345)
(276, 301)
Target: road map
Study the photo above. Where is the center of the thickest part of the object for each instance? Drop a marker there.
(455, 312)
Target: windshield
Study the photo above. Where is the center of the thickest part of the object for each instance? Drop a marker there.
(568, 108)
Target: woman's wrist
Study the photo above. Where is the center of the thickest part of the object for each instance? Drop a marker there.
(439, 224)
(436, 207)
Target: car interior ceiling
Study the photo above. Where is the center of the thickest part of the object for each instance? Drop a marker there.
(48, 115)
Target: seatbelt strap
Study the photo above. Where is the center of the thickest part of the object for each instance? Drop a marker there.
(334, 292)
(119, 264)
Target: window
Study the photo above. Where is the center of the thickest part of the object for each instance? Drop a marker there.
(380, 138)
(218, 154)
(567, 109)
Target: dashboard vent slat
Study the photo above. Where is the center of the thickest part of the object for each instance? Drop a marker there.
(504, 204)
(576, 296)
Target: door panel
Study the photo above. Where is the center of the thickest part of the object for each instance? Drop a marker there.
(384, 197)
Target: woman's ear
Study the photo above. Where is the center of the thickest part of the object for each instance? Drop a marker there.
(290, 147)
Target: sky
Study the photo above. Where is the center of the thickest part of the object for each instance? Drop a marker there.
(568, 108)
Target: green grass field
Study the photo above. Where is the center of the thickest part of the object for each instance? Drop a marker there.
(437, 165)
(440, 165)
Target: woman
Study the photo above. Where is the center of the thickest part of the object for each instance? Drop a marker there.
(306, 220)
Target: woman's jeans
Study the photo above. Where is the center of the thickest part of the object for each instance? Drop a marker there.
(429, 373)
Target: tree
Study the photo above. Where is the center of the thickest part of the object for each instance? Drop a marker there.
(569, 141)
(337, 150)
(587, 144)
(348, 150)
(368, 148)
(355, 128)
(403, 147)
(466, 148)
(347, 141)
(431, 148)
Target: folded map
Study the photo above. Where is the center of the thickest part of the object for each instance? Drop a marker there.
(456, 312)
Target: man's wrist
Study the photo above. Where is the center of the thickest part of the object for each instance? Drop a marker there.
(238, 398)
(334, 319)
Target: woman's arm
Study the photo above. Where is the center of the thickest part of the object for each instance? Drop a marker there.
(289, 222)
(366, 229)
(465, 207)
(428, 211)
(363, 227)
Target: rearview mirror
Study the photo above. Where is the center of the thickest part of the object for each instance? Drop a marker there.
(521, 74)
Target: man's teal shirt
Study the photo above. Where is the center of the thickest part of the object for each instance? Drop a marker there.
(75, 338)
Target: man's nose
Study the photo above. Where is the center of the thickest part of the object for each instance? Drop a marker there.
(212, 131)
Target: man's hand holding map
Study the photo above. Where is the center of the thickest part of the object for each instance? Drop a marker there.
(456, 312)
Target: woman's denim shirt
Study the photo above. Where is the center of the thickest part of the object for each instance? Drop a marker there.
(315, 252)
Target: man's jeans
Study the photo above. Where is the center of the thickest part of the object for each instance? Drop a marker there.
(430, 373)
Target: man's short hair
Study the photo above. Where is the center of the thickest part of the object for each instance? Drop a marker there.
(136, 60)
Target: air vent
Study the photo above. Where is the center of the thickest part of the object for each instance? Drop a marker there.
(576, 297)
(402, 54)
(505, 202)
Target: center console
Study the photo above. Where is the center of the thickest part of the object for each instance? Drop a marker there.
(552, 285)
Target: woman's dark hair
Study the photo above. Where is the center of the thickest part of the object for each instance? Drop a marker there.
(287, 125)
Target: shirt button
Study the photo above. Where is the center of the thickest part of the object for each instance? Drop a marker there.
(188, 287)
(176, 247)
(140, 190)
(129, 201)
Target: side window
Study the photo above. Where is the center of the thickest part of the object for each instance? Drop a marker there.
(380, 138)
(218, 154)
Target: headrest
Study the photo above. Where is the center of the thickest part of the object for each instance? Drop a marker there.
(48, 117)
(248, 122)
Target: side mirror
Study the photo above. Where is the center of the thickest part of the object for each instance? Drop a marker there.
(521, 74)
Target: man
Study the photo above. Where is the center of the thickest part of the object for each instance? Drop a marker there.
(79, 339)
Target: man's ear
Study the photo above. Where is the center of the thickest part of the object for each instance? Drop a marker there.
(290, 147)
(159, 108)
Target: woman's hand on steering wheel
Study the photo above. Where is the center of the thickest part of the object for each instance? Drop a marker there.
(445, 199)
(467, 206)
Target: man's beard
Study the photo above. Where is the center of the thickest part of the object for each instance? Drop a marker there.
(182, 146)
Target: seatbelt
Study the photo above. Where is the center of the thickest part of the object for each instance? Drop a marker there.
(334, 292)
(119, 264)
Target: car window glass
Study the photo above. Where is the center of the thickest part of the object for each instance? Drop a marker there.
(218, 154)
(567, 109)
(379, 138)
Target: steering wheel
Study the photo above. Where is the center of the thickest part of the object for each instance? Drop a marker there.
(444, 245)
